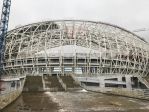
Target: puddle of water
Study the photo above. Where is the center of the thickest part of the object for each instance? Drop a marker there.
(83, 90)
(132, 100)
(75, 102)
(33, 102)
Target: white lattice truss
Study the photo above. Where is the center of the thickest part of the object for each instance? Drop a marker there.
(95, 48)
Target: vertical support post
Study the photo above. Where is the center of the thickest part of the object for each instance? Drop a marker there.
(102, 82)
(3, 31)
(128, 82)
(119, 78)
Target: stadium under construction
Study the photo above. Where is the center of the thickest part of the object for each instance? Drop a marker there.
(71, 55)
(97, 56)
(92, 52)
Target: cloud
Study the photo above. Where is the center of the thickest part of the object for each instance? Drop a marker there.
(130, 14)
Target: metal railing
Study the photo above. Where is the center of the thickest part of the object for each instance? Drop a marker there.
(3, 78)
(61, 82)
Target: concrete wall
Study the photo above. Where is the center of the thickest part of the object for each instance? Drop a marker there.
(135, 93)
(7, 98)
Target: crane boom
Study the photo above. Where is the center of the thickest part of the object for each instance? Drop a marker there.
(140, 30)
(3, 29)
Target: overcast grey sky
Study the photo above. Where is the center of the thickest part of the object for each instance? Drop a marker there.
(129, 14)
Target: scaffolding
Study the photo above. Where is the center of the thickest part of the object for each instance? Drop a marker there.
(84, 48)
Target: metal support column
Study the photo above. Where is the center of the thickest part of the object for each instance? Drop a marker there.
(3, 29)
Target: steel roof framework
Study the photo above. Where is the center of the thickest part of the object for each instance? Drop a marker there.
(120, 52)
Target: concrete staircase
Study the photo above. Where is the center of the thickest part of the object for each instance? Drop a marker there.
(147, 78)
(52, 84)
(70, 82)
(146, 93)
(144, 80)
(33, 84)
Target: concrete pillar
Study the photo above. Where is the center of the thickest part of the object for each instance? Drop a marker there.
(128, 82)
(119, 79)
(102, 82)
(73, 70)
(50, 70)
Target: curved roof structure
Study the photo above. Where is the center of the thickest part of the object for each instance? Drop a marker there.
(109, 48)
(30, 39)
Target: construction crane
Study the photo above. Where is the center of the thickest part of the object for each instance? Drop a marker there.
(140, 30)
(3, 30)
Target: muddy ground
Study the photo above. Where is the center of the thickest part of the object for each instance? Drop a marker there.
(76, 101)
